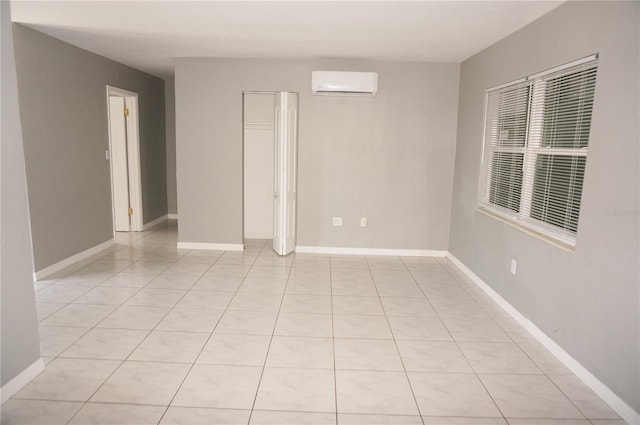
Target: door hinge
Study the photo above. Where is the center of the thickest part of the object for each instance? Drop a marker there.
(130, 212)
(126, 112)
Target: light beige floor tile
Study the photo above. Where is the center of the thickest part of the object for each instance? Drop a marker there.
(299, 303)
(432, 356)
(173, 281)
(215, 283)
(106, 344)
(37, 412)
(346, 304)
(367, 354)
(355, 419)
(266, 417)
(434, 420)
(80, 315)
(107, 295)
(247, 322)
(403, 306)
(45, 310)
(205, 300)
(157, 297)
(377, 392)
(170, 347)
(418, 327)
(498, 357)
(121, 414)
(57, 293)
(55, 339)
(529, 396)
(548, 363)
(301, 352)
(538, 421)
(290, 389)
(585, 400)
(304, 324)
(134, 317)
(229, 387)
(238, 350)
(359, 326)
(69, 380)
(351, 287)
(130, 280)
(452, 394)
(204, 416)
(142, 383)
(190, 320)
(474, 329)
(256, 301)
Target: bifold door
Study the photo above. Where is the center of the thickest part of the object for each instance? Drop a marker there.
(286, 172)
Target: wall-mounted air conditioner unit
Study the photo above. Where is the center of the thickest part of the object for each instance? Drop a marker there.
(338, 83)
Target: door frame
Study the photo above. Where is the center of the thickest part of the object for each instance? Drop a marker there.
(133, 156)
(277, 93)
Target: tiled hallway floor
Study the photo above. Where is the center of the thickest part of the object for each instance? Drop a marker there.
(144, 334)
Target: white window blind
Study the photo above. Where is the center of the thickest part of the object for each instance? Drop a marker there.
(535, 149)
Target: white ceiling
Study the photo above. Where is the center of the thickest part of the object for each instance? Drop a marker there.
(148, 35)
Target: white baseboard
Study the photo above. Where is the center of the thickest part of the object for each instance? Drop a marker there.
(370, 251)
(154, 223)
(211, 246)
(625, 411)
(9, 389)
(71, 260)
(172, 216)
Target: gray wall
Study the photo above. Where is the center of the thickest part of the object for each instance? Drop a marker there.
(587, 300)
(388, 158)
(19, 327)
(170, 107)
(64, 110)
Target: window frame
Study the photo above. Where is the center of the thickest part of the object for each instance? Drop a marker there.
(533, 148)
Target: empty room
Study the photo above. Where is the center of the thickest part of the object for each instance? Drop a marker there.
(320, 212)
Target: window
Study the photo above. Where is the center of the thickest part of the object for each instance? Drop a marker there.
(535, 149)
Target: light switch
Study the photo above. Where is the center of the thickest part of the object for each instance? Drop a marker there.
(363, 222)
(337, 221)
(514, 265)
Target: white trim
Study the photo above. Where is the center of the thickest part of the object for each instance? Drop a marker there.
(370, 251)
(133, 150)
(564, 66)
(211, 246)
(154, 223)
(612, 399)
(172, 216)
(9, 389)
(510, 83)
(71, 260)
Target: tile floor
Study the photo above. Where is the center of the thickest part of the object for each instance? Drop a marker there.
(143, 333)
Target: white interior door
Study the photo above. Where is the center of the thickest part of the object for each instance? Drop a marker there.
(286, 172)
(119, 164)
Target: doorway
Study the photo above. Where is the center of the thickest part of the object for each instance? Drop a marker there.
(270, 144)
(124, 158)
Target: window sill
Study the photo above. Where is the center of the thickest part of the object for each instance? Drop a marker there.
(558, 243)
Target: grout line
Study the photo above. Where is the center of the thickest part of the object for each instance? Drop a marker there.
(462, 351)
(275, 324)
(395, 343)
(207, 340)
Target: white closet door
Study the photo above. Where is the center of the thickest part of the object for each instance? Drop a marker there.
(286, 172)
(119, 166)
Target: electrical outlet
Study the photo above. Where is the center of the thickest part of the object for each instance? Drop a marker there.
(363, 222)
(337, 221)
(514, 265)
